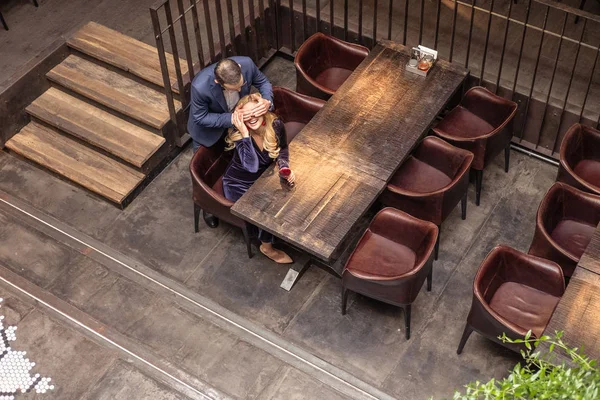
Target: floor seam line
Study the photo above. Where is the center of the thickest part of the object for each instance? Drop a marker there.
(206, 256)
(437, 299)
(489, 216)
(257, 336)
(41, 301)
(305, 305)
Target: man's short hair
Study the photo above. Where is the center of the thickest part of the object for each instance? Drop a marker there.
(228, 72)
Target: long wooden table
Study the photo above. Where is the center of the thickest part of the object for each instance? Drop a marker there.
(578, 312)
(348, 152)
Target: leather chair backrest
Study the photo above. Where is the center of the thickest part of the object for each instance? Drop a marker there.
(495, 110)
(566, 202)
(442, 156)
(294, 107)
(210, 163)
(580, 142)
(320, 52)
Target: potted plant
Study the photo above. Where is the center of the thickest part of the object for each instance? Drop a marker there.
(541, 376)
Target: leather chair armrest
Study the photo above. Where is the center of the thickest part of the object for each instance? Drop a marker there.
(488, 280)
(571, 148)
(296, 107)
(491, 324)
(427, 246)
(591, 140)
(350, 55)
(414, 232)
(539, 273)
(496, 110)
(451, 160)
(551, 210)
(505, 264)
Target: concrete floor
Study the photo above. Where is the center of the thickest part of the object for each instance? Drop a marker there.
(133, 305)
(153, 302)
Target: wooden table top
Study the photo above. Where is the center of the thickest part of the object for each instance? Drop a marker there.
(578, 312)
(346, 154)
(591, 257)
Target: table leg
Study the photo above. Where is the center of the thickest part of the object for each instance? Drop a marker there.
(3, 21)
(293, 274)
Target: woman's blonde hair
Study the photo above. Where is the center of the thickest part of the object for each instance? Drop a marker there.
(270, 142)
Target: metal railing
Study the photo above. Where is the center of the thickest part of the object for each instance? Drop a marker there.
(515, 49)
(193, 32)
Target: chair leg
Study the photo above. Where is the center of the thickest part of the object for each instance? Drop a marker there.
(35, 3)
(406, 313)
(3, 21)
(344, 300)
(248, 240)
(463, 205)
(581, 5)
(466, 333)
(506, 157)
(437, 242)
(478, 180)
(197, 211)
(429, 279)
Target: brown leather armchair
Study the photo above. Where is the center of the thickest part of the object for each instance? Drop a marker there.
(580, 158)
(324, 62)
(513, 293)
(482, 124)
(565, 222)
(294, 109)
(391, 261)
(431, 182)
(207, 168)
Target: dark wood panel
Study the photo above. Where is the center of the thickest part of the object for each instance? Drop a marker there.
(318, 212)
(24, 86)
(345, 156)
(578, 314)
(113, 90)
(76, 162)
(377, 116)
(124, 52)
(97, 127)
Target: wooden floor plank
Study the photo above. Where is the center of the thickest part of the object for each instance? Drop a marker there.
(78, 163)
(123, 52)
(113, 90)
(101, 129)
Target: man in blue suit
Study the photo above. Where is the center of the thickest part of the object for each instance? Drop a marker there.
(215, 92)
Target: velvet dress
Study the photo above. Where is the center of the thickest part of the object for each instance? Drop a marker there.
(248, 164)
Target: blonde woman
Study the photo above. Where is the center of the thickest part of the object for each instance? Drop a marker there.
(257, 142)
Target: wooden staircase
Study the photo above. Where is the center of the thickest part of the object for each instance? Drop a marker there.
(102, 123)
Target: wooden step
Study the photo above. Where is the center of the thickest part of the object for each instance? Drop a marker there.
(80, 164)
(124, 52)
(97, 127)
(113, 90)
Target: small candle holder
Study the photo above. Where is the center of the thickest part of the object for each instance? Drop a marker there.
(421, 60)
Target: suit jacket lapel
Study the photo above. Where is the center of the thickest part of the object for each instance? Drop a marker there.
(217, 92)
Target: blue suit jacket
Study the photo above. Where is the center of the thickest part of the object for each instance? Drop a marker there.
(209, 114)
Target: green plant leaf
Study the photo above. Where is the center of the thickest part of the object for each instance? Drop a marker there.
(540, 377)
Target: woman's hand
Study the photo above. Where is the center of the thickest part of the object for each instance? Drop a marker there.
(237, 118)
